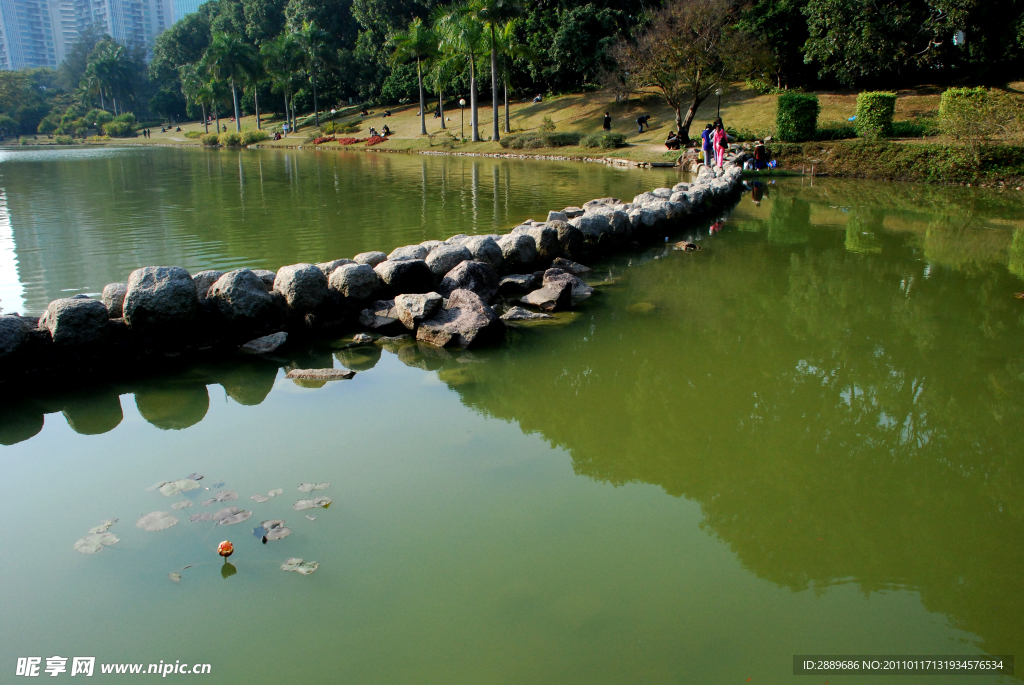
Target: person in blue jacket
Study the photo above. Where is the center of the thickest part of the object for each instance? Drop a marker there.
(708, 145)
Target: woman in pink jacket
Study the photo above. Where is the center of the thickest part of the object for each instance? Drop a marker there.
(721, 140)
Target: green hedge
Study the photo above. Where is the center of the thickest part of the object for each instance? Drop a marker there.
(250, 137)
(230, 139)
(210, 139)
(962, 112)
(531, 141)
(605, 141)
(875, 110)
(835, 132)
(119, 129)
(796, 116)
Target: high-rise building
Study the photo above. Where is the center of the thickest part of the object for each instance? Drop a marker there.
(183, 7)
(37, 33)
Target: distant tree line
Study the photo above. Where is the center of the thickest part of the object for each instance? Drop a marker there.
(293, 56)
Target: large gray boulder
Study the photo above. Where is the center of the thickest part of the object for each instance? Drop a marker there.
(113, 299)
(75, 321)
(572, 267)
(160, 299)
(408, 252)
(471, 275)
(412, 310)
(580, 290)
(13, 334)
(371, 258)
(406, 276)
(429, 245)
(355, 281)
(599, 202)
(241, 297)
(518, 284)
(517, 251)
(545, 239)
(203, 281)
(382, 317)
(558, 216)
(459, 239)
(303, 286)
(268, 277)
(553, 297)
(570, 240)
(329, 267)
(485, 248)
(465, 321)
(444, 258)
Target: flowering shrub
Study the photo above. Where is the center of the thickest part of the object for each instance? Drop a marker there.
(350, 141)
(375, 139)
(323, 139)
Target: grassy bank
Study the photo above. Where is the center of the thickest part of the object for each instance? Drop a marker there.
(938, 162)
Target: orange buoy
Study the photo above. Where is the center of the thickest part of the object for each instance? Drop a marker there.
(225, 549)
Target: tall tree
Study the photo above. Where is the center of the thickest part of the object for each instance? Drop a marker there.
(312, 41)
(231, 60)
(418, 43)
(462, 34)
(282, 58)
(689, 49)
(495, 15)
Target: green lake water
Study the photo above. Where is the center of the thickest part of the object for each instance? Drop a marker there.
(803, 439)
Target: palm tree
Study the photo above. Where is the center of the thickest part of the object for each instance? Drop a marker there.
(462, 34)
(495, 15)
(311, 40)
(417, 42)
(230, 59)
(281, 58)
(195, 88)
(442, 73)
(509, 50)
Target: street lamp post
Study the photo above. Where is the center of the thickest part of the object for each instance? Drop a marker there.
(718, 92)
(462, 106)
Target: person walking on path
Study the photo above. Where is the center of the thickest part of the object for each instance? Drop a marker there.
(641, 120)
(721, 139)
(607, 121)
(707, 144)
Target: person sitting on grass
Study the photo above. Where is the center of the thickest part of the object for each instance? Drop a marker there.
(673, 141)
(387, 113)
(385, 131)
(373, 132)
(538, 98)
(364, 113)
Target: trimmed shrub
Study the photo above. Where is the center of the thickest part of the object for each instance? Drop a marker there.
(250, 137)
(605, 141)
(230, 139)
(210, 139)
(835, 132)
(964, 113)
(547, 125)
(61, 140)
(796, 116)
(118, 129)
(333, 127)
(532, 141)
(874, 114)
(193, 134)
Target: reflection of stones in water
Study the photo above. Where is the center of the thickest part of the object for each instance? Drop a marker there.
(424, 356)
(19, 423)
(173, 407)
(249, 383)
(362, 358)
(94, 414)
(456, 376)
(227, 570)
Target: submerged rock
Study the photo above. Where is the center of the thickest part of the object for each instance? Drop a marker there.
(321, 374)
(303, 286)
(580, 290)
(75, 321)
(465, 321)
(553, 297)
(520, 314)
(160, 299)
(471, 275)
(412, 310)
(266, 344)
(570, 266)
(113, 299)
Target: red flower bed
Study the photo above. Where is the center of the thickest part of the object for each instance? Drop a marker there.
(350, 141)
(375, 139)
(323, 139)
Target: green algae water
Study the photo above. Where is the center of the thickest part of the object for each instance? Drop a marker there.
(803, 439)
